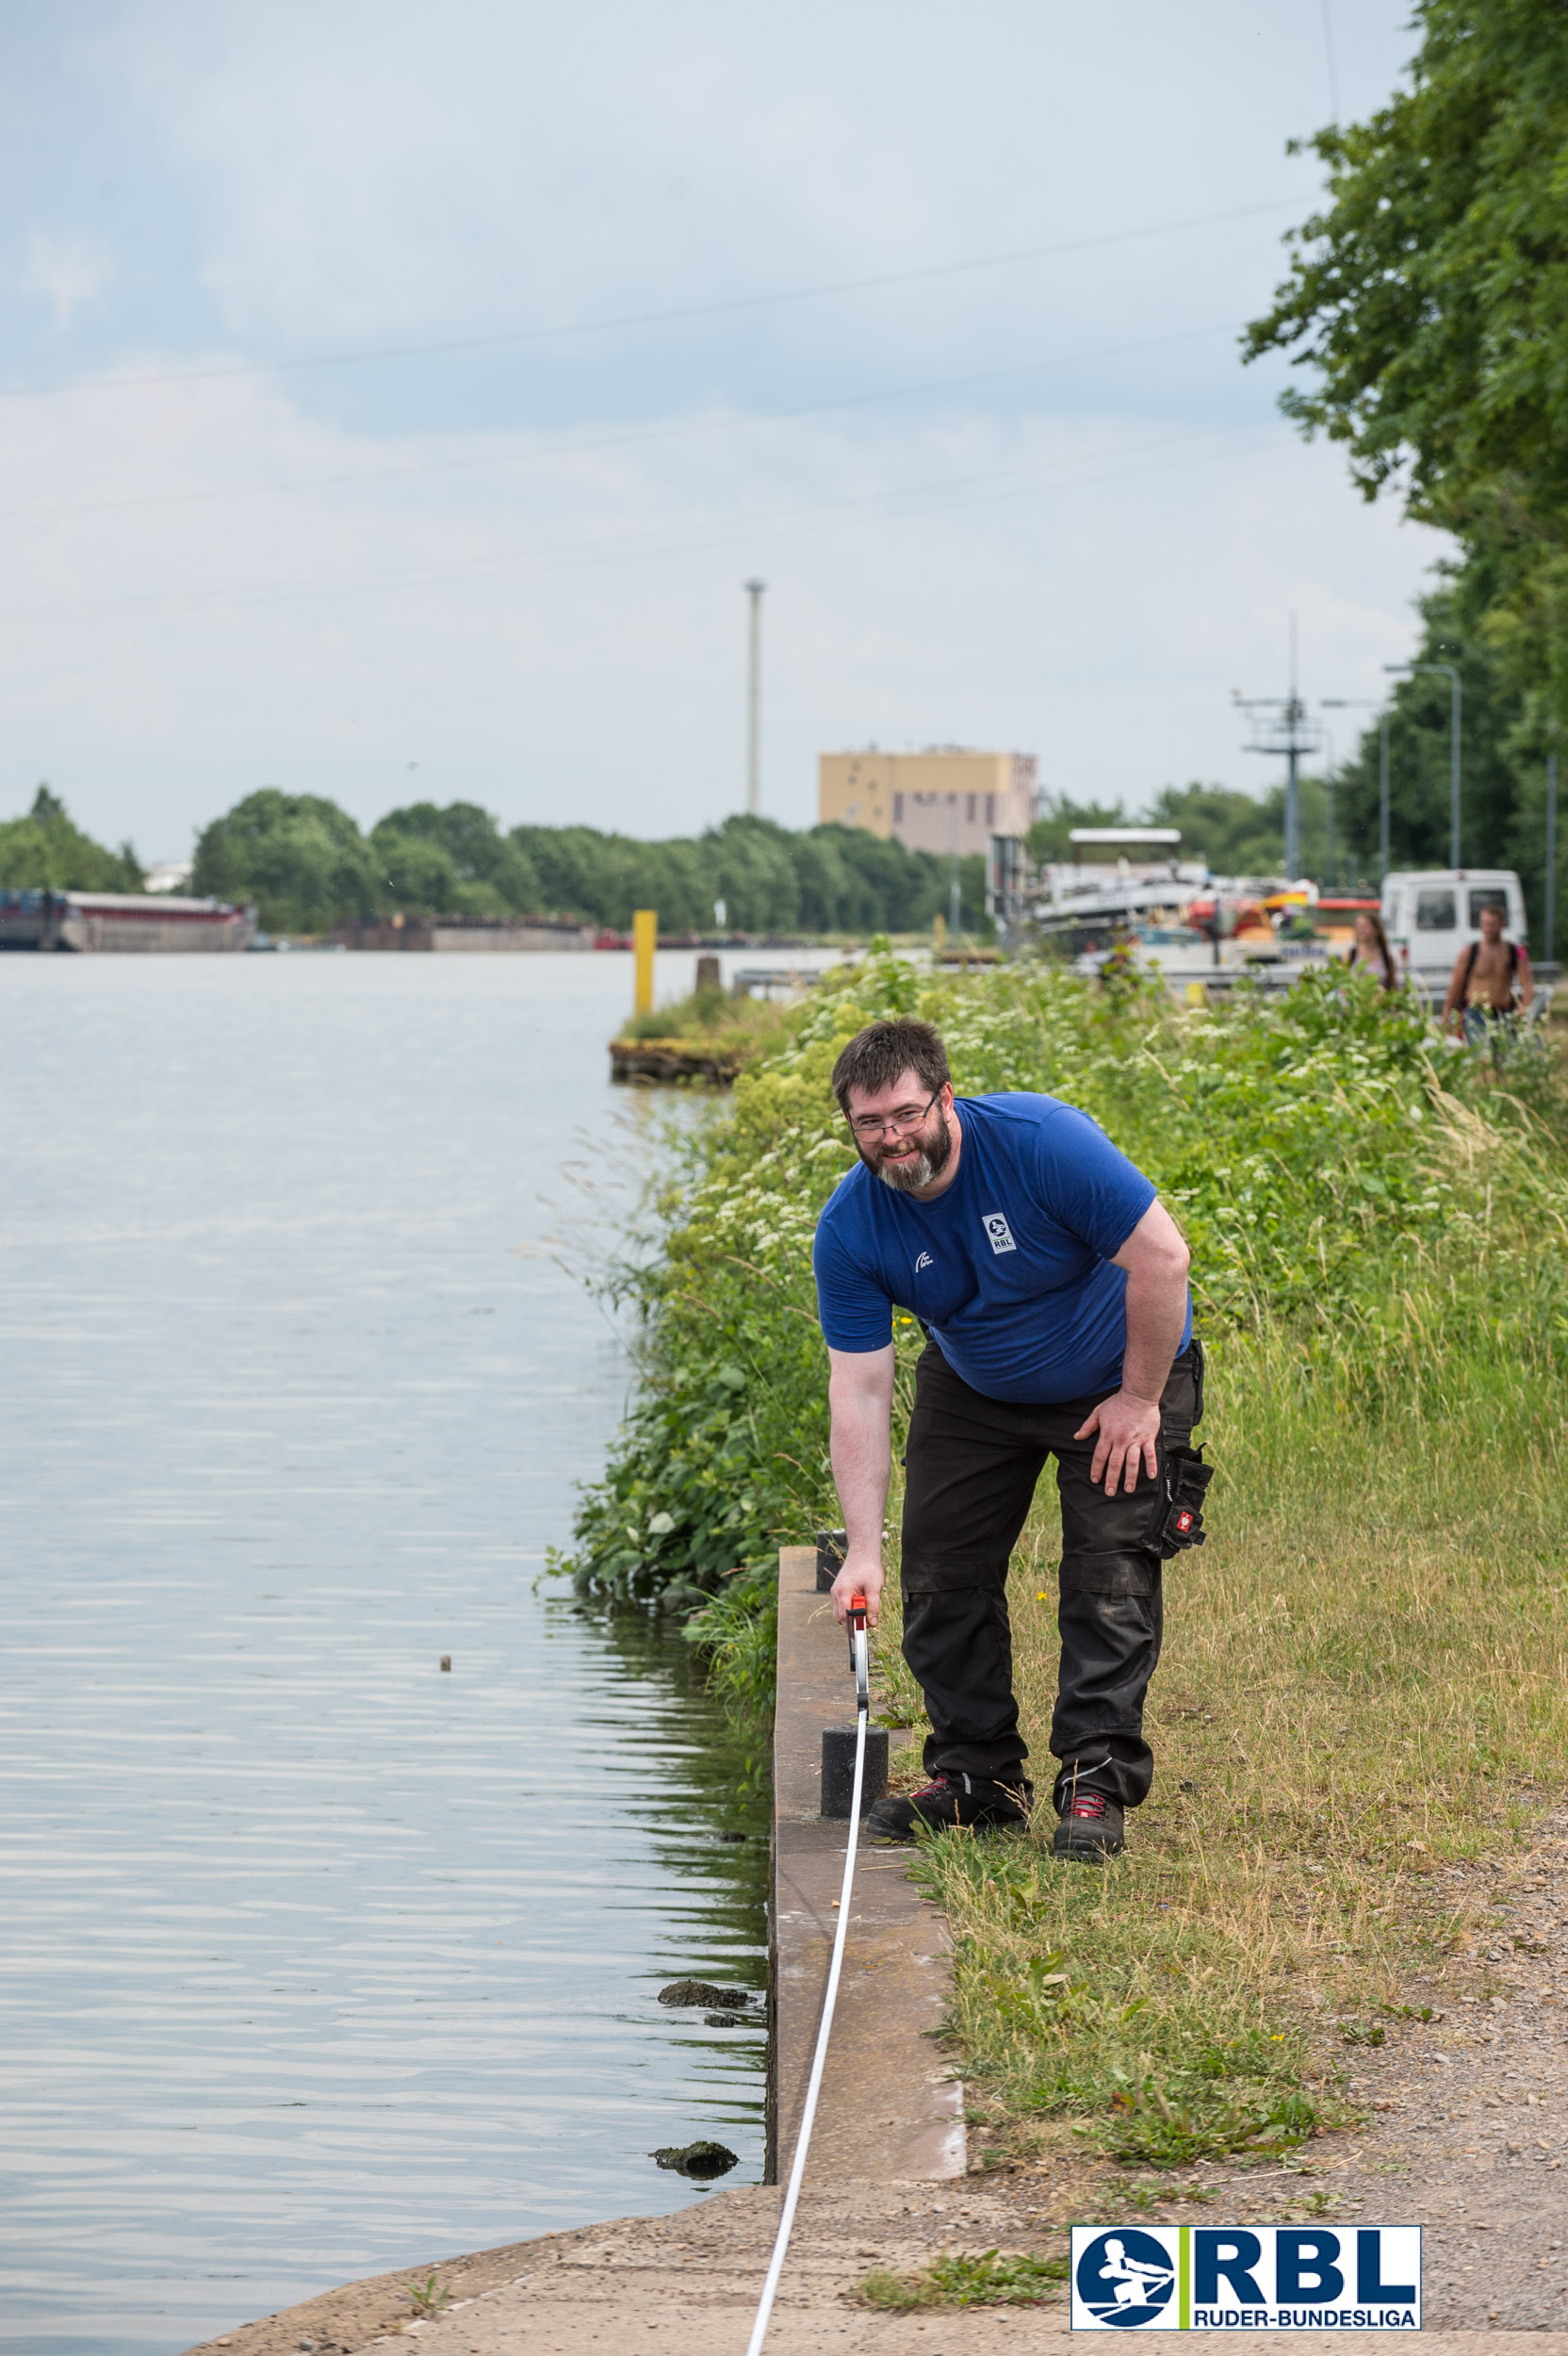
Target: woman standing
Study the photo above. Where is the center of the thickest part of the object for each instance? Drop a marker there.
(1370, 952)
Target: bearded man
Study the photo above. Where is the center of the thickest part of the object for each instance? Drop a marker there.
(1052, 1287)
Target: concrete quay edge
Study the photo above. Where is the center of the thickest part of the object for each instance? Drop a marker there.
(891, 2108)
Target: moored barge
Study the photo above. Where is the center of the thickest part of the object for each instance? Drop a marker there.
(121, 921)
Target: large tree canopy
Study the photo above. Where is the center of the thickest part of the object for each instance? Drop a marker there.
(298, 856)
(1429, 297)
(45, 852)
(1428, 307)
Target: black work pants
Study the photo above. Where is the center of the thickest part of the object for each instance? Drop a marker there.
(972, 1464)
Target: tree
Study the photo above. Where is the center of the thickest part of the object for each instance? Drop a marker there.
(44, 852)
(1428, 302)
(301, 859)
(826, 879)
(1234, 833)
(1430, 297)
(1419, 747)
(454, 860)
(1049, 839)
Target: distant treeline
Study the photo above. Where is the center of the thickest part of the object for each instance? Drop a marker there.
(307, 866)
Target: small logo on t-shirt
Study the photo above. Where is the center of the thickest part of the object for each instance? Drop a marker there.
(996, 1227)
(925, 1261)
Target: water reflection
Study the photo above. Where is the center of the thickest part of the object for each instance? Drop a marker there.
(319, 1960)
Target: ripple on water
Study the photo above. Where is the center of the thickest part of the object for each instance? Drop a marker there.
(319, 1962)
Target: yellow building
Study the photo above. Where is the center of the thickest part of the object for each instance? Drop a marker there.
(944, 800)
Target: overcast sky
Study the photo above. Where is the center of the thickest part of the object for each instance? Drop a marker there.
(396, 398)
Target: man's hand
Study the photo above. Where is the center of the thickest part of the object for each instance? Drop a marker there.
(1126, 1426)
(861, 1575)
(1127, 1429)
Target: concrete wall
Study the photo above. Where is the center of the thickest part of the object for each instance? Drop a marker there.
(421, 933)
(506, 937)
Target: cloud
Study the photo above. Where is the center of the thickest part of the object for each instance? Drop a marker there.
(66, 273)
(317, 576)
(380, 166)
(223, 590)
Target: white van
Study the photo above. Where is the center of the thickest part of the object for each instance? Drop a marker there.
(1431, 914)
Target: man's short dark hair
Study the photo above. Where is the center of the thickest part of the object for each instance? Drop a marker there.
(884, 1052)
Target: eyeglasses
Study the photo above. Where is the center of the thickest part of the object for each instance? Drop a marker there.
(907, 1117)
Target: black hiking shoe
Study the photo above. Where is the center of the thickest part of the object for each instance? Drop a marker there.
(1089, 1827)
(949, 1800)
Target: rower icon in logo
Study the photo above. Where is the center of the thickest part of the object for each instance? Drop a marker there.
(1125, 2278)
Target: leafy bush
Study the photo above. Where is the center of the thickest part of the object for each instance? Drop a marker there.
(1326, 1160)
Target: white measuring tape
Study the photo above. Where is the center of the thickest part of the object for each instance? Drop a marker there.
(859, 1653)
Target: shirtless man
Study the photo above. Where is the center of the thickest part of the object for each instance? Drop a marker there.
(1489, 979)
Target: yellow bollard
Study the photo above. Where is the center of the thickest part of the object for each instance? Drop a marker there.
(1197, 993)
(644, 938)
(939, 932)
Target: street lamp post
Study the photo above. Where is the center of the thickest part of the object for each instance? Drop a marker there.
(1455, 711)
(1551, 847)
(754, 699)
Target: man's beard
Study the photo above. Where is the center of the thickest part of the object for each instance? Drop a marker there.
(910, 1177)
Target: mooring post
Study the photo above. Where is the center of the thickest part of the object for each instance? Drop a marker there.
(644, 938)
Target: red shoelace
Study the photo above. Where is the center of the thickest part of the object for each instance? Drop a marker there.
(1090, 1804)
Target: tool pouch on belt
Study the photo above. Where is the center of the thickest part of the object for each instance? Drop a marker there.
(1179, 1515)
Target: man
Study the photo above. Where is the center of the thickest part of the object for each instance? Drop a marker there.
(1487, 980)
(1052, 1289)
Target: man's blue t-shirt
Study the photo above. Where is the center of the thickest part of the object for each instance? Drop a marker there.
(1010, 1268)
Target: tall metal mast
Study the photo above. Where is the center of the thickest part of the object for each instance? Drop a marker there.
(1286, 734)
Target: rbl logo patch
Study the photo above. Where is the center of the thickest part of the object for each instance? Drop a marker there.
(1261, 2277)
(1183, 1520)
(999, 1233)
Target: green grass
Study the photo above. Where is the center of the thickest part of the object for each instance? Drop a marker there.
(1363, 1683)
(987, 2280)
(715, 1017)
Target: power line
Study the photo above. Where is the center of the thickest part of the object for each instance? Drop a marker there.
(634, 437)
(670, 316)
(1329, 53)
(784, 522)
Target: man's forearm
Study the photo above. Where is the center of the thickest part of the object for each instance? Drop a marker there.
(862, 1457)
(1156, 1312)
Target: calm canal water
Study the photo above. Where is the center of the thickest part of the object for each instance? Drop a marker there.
(318, 1961)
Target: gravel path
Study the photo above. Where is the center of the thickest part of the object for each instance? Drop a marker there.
(1467, 2118)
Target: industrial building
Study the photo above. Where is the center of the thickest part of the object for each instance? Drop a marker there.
(944, 799)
